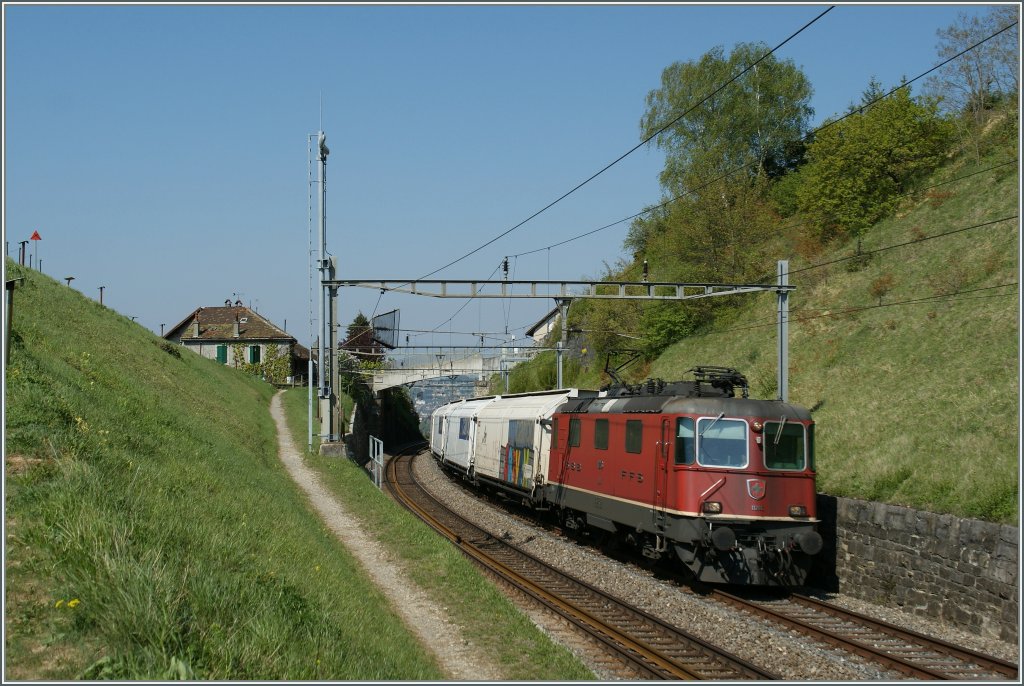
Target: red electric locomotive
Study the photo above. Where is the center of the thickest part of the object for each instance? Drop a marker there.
(725, 483)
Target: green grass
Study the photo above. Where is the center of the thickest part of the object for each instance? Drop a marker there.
(152, 531)
(490, 620)
(917, 403)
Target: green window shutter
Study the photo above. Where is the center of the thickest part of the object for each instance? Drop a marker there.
(222, 354)
(254, 354)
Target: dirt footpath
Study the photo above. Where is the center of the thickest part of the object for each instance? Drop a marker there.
(460, 660)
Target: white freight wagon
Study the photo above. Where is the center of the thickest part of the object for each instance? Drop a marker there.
(513, 438)
(460, 432)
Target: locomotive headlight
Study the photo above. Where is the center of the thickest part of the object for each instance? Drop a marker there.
(797, 511)
(711, 507)
(757, 426)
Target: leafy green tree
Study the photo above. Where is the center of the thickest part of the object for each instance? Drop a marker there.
(859, 165)
(359, 326)
(720, 159)
(276, 367)
(752, 121)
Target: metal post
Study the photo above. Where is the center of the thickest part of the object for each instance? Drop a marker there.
(101, 294)
(332, 293)
(9, 286)
(309, 280)
(783, 336)
(309, 413)
(326, 392)
(563, 305)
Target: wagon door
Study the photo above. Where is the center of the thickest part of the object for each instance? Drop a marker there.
(661, 482)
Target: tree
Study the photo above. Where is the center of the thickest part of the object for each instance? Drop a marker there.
(359, 341)
(857, 166)
(359, 326)
(987, 76)
(748, 123)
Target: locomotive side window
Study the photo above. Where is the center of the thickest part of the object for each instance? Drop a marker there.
(601, 434)
(439, 420)
(574, 433)
(686, 444)
(810, 447)
(554, 433)
(784, 445)
(463, 428)
(721, 442)
(634, 436)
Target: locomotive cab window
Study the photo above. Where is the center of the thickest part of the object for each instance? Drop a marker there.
(574, 433)
(721, 442)
(784, 446)
(601, 434)
(686, 441)
(634, 436)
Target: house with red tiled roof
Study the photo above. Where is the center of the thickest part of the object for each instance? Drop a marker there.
(236, 335)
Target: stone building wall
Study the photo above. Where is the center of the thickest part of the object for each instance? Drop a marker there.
(961, 571)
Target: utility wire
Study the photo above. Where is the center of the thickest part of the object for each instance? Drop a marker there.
(729, 173)
(944, 297)
(633, 149)
(901, 245)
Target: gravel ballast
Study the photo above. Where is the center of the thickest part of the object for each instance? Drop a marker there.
(787, 653)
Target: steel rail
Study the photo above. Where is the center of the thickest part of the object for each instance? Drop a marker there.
(648, 659)
(906, 659)
(619, 644)
(993, 664)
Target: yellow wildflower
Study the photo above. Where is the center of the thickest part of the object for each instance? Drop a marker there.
(74, 602)
(59, 603)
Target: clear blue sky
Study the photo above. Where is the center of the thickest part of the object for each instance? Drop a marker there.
(161, 151)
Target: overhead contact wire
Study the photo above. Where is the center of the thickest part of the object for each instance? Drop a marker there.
(729, 173)
(633, 149)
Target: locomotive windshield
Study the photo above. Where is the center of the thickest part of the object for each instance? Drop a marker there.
(721, 442)
(784, 445)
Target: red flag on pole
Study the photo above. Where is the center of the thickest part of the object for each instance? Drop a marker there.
(36, 236)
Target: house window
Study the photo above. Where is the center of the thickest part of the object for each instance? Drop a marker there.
(222, 354)
(254, 354)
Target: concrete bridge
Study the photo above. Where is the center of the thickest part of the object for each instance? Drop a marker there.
(424, 368)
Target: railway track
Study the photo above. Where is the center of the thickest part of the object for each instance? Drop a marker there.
(908, 652)
(649, 646)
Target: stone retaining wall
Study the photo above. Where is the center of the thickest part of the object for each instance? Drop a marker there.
(961, 571)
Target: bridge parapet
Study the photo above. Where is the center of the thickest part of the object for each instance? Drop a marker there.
(476, 364)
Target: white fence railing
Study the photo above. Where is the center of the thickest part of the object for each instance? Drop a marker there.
(377, 460)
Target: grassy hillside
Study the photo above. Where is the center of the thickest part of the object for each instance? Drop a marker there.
(438, 567)
(909, 355)
(151, 530)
